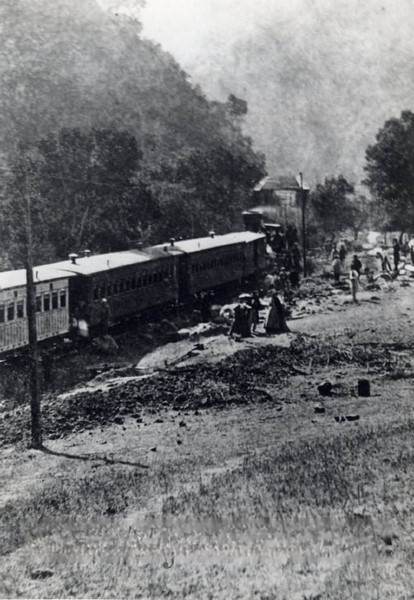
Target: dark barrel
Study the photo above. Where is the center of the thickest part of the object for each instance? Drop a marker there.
(364, 388)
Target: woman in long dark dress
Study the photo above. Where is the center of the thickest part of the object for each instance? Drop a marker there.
(276, 319)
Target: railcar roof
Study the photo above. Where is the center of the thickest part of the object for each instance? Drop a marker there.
(104, 262)
(209, 242)
(42, 273)
(112, 260)
(84, 266)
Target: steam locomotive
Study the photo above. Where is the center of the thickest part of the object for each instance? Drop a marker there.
(131, 281)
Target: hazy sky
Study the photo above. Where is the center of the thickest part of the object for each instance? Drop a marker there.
(320, 76)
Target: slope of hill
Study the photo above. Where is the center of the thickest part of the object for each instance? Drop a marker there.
(70, 64)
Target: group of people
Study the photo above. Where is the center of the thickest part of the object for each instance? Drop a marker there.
(356, 267)
(247, 316)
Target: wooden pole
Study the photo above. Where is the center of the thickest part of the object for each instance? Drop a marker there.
(303, 194)
(36, 424)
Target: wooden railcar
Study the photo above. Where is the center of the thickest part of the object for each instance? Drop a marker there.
(132, 281)
(52, 305)
(213, 261)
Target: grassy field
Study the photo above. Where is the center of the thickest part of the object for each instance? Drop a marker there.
(268, 500)
(328, 517)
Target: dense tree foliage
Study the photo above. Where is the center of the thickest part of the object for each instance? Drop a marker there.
(122, 146)
(390, 171)
(333, 206)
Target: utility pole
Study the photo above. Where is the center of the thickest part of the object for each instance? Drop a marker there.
(304, 195)
(36, 425)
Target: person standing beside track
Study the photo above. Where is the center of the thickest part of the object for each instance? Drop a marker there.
(396, 253)
(353, 280)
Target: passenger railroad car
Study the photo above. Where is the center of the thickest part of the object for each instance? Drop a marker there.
(52, 305)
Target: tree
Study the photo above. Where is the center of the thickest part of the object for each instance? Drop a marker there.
(332, 205)
(361, 213)
(390, 170)
(88, 194)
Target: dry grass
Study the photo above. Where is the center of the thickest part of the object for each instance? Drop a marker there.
(327, 518)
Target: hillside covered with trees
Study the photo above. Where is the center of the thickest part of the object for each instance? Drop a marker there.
(109, 138)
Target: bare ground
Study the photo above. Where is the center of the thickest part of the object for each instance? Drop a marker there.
(266, 500)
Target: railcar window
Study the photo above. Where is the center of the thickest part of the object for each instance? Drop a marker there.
(20, 309)
(110, 289)
(63, 299)
(122, 285)
(127, 284)
(10, 312)
(38, 304)
(2, 313)
(46, 302)
(54, 300)
(95, 294)
(116, 288)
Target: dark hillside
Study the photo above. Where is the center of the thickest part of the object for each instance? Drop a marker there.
(71, 71)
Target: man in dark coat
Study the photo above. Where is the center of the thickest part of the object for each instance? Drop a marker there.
(396, 253)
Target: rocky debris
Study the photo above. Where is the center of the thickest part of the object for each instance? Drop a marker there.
(106, 344)
(343, 418)
(325, 388)
(41, 574)
(167, 327)
(352, 417)
(388, 538)
(242, 378)
(314, 287)
(200, 330)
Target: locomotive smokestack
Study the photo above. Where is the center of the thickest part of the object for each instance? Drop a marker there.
(212, 234)
(172, 241)
(86, 253)
(73, 257)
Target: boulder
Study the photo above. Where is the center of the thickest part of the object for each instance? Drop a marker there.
(325, 388)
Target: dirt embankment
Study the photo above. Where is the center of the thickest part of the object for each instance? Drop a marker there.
(251, 375)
